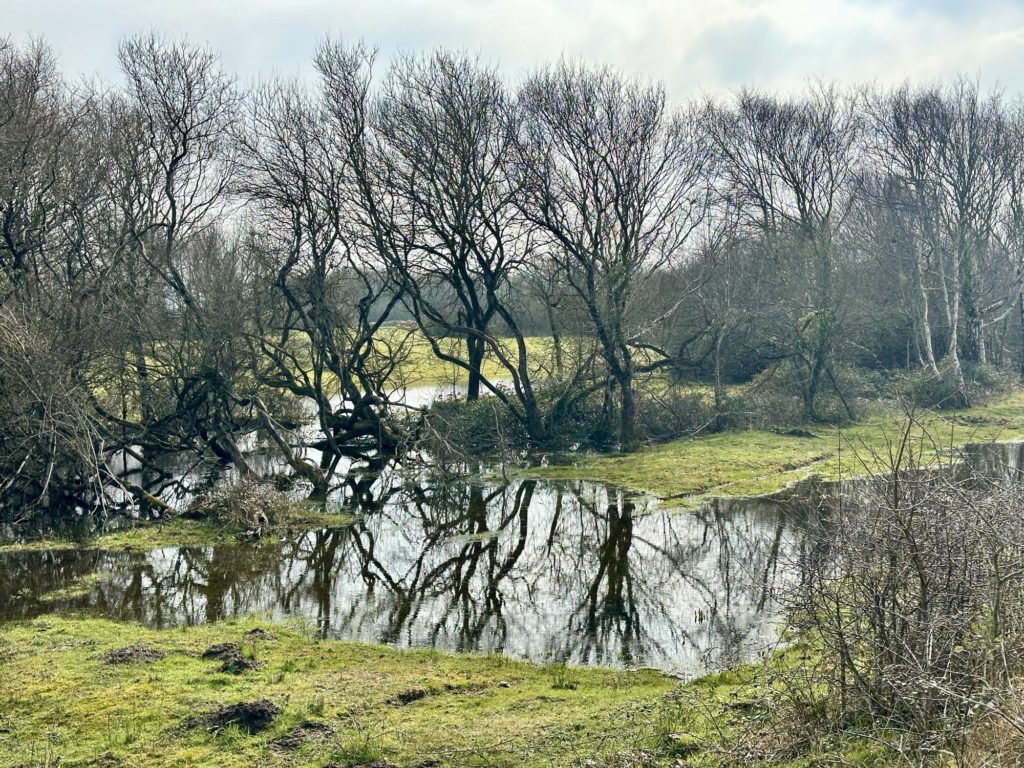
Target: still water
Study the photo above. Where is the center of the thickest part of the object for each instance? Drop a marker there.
(550, 571)
(574, 572)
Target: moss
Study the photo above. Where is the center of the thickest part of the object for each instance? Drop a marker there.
(753, 462)
(145, 536)
(61, 701)
(142, 537)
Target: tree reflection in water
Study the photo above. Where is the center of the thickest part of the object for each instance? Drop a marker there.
(564, 571)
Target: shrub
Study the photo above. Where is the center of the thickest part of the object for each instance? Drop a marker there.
(49, 430)
(771, 399)
(675, 412)
(926, 390)
(913, 596)
(249, 504)
(455, 428)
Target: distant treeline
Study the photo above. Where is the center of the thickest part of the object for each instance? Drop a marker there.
(184, 261)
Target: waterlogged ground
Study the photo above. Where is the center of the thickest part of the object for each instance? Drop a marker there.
(175, 645)
(166, 647)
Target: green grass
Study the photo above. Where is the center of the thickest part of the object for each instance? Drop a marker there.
(146, 536)
(60, 703)
(753, 462)
(422, 367)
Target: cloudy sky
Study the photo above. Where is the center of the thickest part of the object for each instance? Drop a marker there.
(692, 45)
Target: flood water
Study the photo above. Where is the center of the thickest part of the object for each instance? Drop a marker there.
(549, 571)
(546, 571)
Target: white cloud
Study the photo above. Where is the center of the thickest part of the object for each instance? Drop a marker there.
(690, 44)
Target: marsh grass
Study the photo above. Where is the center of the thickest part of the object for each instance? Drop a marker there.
(758, 461)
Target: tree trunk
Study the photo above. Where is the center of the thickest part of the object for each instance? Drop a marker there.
(146, 409)
(719, 388)
(951, 297)
(971, 341)
(810, 393)
(954, 349)
(926, 324)
(819, 361)
(556, 339)
(627, 413)
(475, 355)
(1020, 305)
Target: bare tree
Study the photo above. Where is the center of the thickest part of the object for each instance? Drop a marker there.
(37, 116)
(1011, 225)
(438, 207)
(949, 155)
(323, 298)
(171, 162)
(791, 165)
(615, 183)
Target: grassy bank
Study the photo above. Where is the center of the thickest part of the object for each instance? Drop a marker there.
(146, 536)
(95, 693)
(421, 367)
(751, 462)
(345, 703)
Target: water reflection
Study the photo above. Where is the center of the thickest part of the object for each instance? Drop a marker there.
(546, 571)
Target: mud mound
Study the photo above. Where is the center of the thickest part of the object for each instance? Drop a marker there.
(304, 733)
(222, 651)
(235, 662)
(249, 716)
(408, 697)
(261, 634)
(133, 654)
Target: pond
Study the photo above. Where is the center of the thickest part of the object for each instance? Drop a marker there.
(573, 572)
(569, 571)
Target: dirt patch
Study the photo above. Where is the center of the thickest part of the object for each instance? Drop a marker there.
(234, 661)
(107, 760)
(402, 698)
(249, 716)
(261, 634)
(795, 432)
(463, 688)
(133, 654)
(308, 732)
(240, 664)
(222, 651)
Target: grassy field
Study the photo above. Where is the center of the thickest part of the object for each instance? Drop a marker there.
(751, 462)
(421, 367)
(63, 702)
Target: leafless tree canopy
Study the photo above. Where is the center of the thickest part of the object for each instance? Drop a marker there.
(202, 265)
